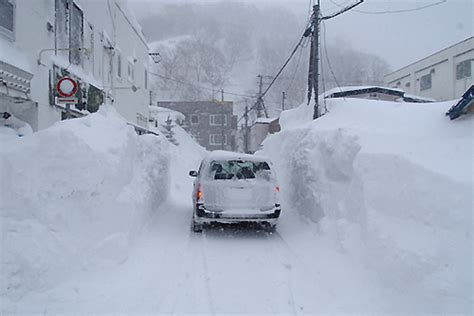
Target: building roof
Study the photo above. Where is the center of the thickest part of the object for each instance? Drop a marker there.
(417, 61)
(356, 90)
(265, 120)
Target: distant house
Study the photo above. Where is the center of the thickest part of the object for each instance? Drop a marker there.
(213, 124)
(375, 93)
(463, 106)
(444, 75)
(259, 131)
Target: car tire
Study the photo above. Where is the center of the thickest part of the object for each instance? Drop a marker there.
(196, 227)
(269, 228)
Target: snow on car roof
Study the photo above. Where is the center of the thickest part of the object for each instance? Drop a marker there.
(224, 155)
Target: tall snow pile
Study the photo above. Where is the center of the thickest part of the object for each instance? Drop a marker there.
(74, 197)
(392, 184)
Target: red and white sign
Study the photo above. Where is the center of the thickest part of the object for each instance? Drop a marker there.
(66, 87)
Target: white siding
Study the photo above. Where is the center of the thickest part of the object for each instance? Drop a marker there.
(102, 20)
(442, 67)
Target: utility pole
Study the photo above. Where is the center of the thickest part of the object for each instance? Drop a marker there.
(246, 130)
(222, 120)
(259, 96)
(314, 59)
(313, 74)
(283, 97)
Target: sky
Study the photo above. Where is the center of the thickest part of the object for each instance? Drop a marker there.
(400, 38)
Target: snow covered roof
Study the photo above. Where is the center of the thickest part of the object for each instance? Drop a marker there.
(416, 98)
(354, 90)
(264, 120)
(161, 113)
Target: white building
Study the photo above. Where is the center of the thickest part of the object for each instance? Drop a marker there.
(97, 43)
(444, 75)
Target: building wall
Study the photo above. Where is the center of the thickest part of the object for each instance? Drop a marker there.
(258, 132)
(105, 23)
(202, 129)
(441, 68)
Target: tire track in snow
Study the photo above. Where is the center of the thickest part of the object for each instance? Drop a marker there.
(203, 245)
(284, 260)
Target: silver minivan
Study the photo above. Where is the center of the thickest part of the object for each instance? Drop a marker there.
(233, 187)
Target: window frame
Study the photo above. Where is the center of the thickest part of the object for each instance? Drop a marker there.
(212, 139)
(119, 63)
(72, 5)
(145, 78)
(191, 119)
(426, 84)
(10, 34)
(462, 66)
(130, 71)
(212, 119)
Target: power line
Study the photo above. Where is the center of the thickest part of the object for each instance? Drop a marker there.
(285, 64)
(327, 56)
(394, 11)
(199, 87)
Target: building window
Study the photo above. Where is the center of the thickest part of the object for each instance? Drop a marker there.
(425, 82)
(194, 119)
(119, 63)
(76, 36)
(216, 119)
(91, 47)
(146, 79)
(7, 18)
(216, 139)
(463, 69)
(130, 71)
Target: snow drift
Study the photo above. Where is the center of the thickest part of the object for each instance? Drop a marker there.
(75, 196)
(391, 183)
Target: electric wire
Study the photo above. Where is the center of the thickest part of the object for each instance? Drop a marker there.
(284, 65)
(327, 56)
(199, 87)
(395, 11)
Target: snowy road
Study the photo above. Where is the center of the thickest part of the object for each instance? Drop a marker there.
(222, 270)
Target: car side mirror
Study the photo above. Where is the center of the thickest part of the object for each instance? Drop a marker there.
(193, 173)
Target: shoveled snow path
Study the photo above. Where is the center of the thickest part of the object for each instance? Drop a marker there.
(173, 270)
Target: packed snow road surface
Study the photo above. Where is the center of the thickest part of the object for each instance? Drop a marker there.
(222, 270)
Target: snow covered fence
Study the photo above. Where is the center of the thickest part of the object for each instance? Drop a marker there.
(75, 195)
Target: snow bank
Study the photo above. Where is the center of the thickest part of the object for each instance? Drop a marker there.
(75, 196)
(392, 184)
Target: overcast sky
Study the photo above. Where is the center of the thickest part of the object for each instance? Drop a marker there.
(399, 38)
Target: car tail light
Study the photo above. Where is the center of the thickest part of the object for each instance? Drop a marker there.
(277, 188)
(199, 194)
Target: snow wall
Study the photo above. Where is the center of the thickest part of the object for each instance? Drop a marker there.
(75, 196)
(391, 184)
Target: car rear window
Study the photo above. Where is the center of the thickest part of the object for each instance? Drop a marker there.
(239, 169)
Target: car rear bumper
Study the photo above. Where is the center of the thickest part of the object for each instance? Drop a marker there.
(202, 215)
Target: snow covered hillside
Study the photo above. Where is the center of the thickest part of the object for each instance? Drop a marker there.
(392, 185)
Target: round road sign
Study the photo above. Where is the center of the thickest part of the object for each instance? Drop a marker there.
(66, 87)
